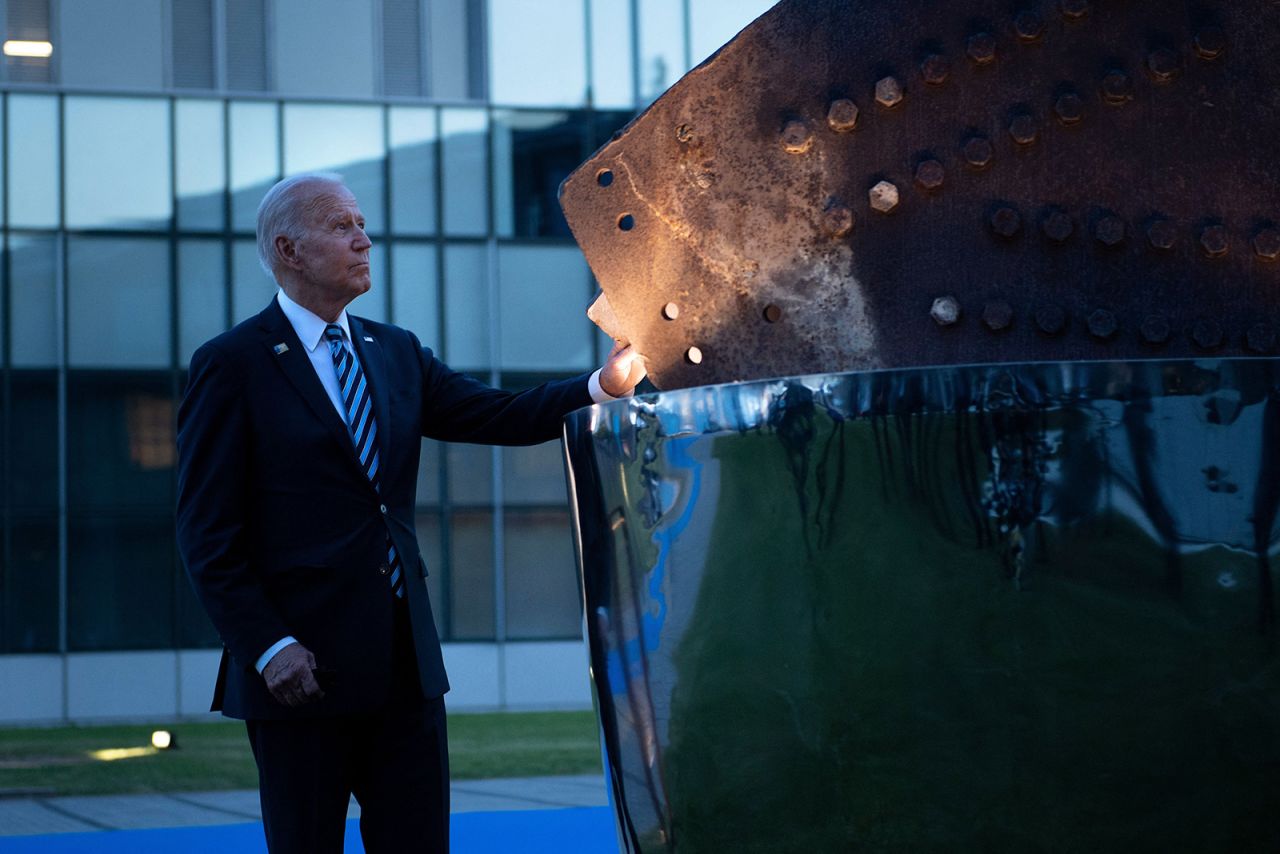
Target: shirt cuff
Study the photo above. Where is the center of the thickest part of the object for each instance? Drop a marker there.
(263, 659)
(598, 394)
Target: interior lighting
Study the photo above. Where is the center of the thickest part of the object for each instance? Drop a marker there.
(40, 50)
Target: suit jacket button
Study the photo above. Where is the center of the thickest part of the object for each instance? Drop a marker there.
(383, 569)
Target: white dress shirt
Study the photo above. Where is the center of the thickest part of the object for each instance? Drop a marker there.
(309, 328)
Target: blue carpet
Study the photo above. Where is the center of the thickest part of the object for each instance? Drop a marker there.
(581, 830)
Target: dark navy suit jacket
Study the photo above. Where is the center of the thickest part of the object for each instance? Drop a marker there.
(280, 530)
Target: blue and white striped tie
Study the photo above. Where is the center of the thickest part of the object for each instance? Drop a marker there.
(364, 430)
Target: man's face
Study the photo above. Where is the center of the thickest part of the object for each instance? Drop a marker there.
(334, 252)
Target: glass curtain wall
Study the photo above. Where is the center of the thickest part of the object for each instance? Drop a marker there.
(128, 241)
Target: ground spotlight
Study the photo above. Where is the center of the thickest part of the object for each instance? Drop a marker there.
(162, 739)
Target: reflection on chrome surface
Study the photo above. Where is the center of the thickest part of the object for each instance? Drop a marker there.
(1015, 607)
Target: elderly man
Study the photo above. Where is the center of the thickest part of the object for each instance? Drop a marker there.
(298, 445)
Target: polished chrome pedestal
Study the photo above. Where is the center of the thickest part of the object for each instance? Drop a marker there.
(993, 608)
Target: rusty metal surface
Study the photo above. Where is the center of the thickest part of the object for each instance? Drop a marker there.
(888, 183)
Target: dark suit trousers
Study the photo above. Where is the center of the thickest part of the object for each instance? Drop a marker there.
(395, 761)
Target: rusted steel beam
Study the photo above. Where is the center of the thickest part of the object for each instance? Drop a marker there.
(887, 183)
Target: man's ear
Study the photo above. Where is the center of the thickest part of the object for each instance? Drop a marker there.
(288, 251)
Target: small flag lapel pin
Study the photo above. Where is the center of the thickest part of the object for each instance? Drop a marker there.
(281, 349)
(367, 338)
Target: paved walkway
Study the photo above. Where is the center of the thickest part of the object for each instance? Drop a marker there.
(23, 816)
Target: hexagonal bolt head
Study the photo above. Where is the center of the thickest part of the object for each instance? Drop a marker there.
(997, 315)
(1155, 329)
(796, 138)
(1006, 222)
(1028, 25)
(945, 311)
(1260, 338)
(888, 92)
(1069, 108)
(1058, 226)
(934, 69)
(884, 197)
(1117, 88)
(982, 48)
(978, 152)
(1207, 334)
(1051, 319)
(1163, 64)
(1109, 230)
(1267, 244)
(837, 218)
(842, 115)
(1023, 129)
(1075, 9)
(930, 174)
(1102, 324)
(1210, 43)
(1215, 241)
(1162, 234)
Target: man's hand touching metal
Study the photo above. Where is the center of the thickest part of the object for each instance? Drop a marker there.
(290, 678)
(622, 371)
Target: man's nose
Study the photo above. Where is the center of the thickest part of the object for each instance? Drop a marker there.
(361, 241)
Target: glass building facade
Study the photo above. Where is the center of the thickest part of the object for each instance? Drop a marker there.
(132, 162)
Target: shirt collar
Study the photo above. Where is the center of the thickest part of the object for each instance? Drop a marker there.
(309, 326)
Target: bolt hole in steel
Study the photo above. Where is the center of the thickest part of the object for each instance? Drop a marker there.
(693, 356)
(978, 152)
(997, 315)
(1215, 241)
(1155, 329)
(1260, 338)
(982, 48)
(1163, 64)
(1023, 129)
(1075, 9)
(1162, 234)
(1069, 108)
(930, 174)
(934, 69)
(1267, 244)
(1117, 88)
(1102, 324)
(1051, 319)
(671, 311)
(883, 197)
(1109, 230)
(842, 116)
(945, 311)
(796, 138)
(1210, 43)
(1006, 222)
(604, 177)
(888, 92)
(1058, 226)
(626, 222)
(772, 314)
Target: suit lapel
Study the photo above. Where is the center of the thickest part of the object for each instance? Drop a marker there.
(375, 374)
(297, 368)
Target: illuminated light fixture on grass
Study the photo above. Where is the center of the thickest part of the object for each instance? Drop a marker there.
(111, 754)
(39, 50)
(162, 739)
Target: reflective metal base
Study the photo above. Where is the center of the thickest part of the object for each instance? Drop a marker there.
(994, 608)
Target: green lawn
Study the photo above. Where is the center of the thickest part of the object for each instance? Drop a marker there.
(216, 755)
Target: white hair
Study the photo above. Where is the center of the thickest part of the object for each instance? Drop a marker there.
(285, 210)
